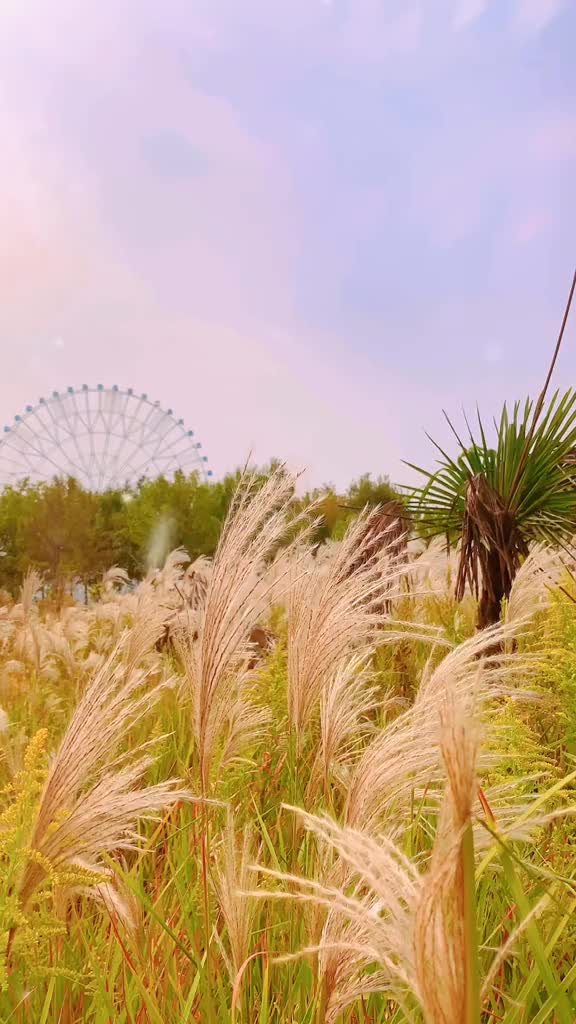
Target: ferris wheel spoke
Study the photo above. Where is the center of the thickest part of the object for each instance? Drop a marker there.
(116, 423)
(149, 430)
(34, 442)
(185, 441)
(88, 411)
(41, 431)
(64, 426)
(79, 415)
(73, 433)
(159, 443)
(109, 467)
(141, 417)
(52, 427)
(54, 450)
(113, 472)
(90, 435)
(165, 465)
(22, 457)
(118, 409)
(54, 442)
(129, 464)
(45, 457)
(103, 460)
(58, 429)
(145, 459)
(160, 424)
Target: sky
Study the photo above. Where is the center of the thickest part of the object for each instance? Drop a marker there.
(307, 226)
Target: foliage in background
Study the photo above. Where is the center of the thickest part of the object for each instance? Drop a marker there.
(68, 533)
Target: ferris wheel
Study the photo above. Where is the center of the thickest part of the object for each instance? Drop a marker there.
(104, 437)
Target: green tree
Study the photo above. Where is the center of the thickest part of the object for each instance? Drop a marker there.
(365, 491)
(336, 510)
(189, 512)
(14, 502)
(64, 531)
(59, 533)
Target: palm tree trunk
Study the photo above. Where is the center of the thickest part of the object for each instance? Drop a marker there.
(496, 585)
(492, 548)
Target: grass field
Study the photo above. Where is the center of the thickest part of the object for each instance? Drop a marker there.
(368, 821)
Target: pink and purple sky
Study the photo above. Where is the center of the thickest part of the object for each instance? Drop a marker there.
(305, 225)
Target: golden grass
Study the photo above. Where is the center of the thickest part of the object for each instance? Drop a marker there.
(371, 822)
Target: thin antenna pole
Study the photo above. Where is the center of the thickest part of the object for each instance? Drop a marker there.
(542, 396)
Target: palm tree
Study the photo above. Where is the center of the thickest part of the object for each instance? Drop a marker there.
(496, 501)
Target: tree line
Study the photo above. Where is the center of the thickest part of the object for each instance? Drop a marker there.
(72, 535)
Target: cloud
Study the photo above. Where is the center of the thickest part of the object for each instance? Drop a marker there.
(466, 12)
(163, 177)
(533, 16)
(551, 136)
(532, 226)
(501, 163)
(369, 32)
(492, 354)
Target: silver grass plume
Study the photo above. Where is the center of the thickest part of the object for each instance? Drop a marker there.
(337, 612)
(232, 875)
(385, 912)
(537, 579)
(404, 759)
(93, 796)
(216, 662)
(346, 701)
